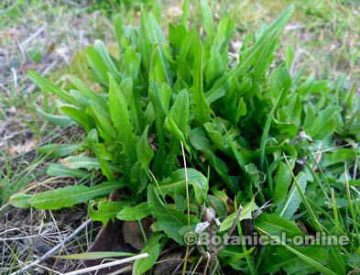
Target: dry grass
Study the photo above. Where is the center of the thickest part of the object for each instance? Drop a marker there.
(43, 36)
(26, 235)
(325, 34)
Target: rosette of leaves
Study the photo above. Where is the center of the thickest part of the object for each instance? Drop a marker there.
(251, 133)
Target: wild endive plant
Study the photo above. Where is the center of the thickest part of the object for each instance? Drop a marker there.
(252, 134)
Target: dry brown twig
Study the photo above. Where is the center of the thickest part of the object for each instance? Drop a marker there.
(106, 265)
(53, 250)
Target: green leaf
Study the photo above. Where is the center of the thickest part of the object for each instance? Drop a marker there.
(59, 150)
(152, 47)
(103, 121)
(78, 115)
(338, 157)
(176, 183)
(336, 260)
(152, 247)
(294, 198)
(231, 255)
(207, 18)
(255, 176)
(105, 210)
(310, 261)
(289, 56)
(323, 125)
(86, 95)
(159, 66)
(200, 142)
(354, 183)
(119, 28)
(97, 65)
(223, 36)
(62, 121)
(106, 58)
(261, 55)
(282, 180)
(201, 109)
(120, 117)
(144, 151)
(257, 59)
(215, 131)
(177, 121)
(79, 162)
(101, 63)
(49, 87)
(21, 200)
(218, 205)
(59, 170)
(246, 213)
(67, 196)
(279, 79)
(134, 213)
(160, 95)
(104, 158)
(275, 225)
(134, 101)
(265, 134)
(167, 219)
(215, 66)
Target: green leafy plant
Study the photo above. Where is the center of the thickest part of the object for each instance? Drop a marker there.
(184, 129)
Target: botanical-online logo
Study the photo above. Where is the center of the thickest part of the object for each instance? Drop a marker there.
(320, 238)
